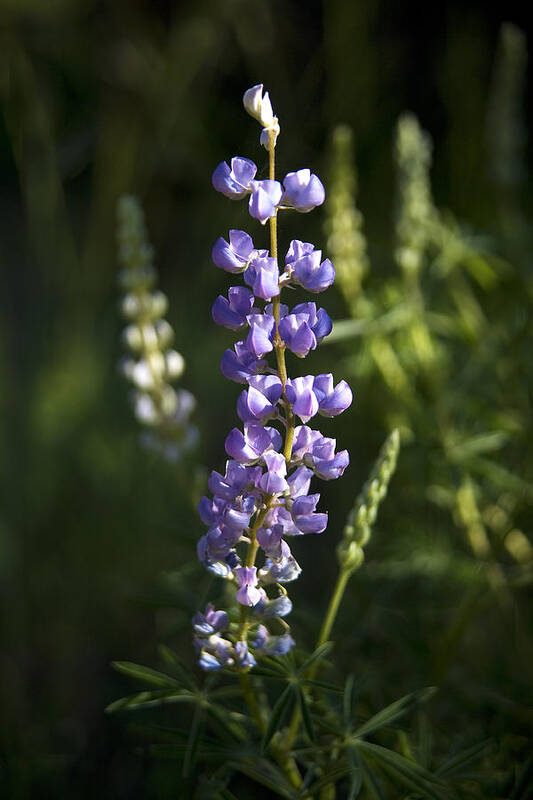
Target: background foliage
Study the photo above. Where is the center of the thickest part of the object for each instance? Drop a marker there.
(97, 537)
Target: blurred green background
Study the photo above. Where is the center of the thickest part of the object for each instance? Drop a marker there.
(97, 537)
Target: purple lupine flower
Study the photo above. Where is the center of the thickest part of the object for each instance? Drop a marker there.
(299, 481)
(304, 439)
(331, 401)
(303, 190)
(278, 607)
(234, 182)
(260, 401)
(302, 398)
(259, 340)
(248, 446)
(304, 515)
(265, 198)
(319, 319)
(244, 658)
(305, 268)
(324, 461)
(285, 570)
(235, 255)
(272, 645)
(241, 363)
(280, 516)
(296, 332)
(272, 542)
(210, 622)
(262, 275)
(258, 478)
(273, 481)
(248, 594)
(232, 313)
(304, 328)
(237, 478)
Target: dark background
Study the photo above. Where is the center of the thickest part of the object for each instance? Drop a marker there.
(97, 538)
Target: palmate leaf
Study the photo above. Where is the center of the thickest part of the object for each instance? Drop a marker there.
(356, 772)
(320, 653)
(335, 773)
(395, 710)
(278, 714)
(145, 674)
(265, 773)
(306, 714)
(147, 699)
(371, 783)
(193, 741)
(459, 761)
(522, 788)
(173, 660)
(348, 700)
(399, 768)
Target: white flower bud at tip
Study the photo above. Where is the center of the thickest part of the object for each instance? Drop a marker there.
(252, 101)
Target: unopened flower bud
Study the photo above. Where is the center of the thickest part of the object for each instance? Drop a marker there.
(175, 364)
(165, 334)
(132, 338)
(350, 555)
(158, 305)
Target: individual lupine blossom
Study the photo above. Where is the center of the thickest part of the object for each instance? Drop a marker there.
(264, 498)
(153, 365)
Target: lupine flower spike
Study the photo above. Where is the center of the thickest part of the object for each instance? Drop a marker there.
(152, 365)
(263, 498)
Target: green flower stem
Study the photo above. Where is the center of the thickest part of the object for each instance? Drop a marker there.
(327, 626)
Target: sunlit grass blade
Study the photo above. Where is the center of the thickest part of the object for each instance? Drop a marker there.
(395, 710)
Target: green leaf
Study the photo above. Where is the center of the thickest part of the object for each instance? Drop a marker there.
(356, 774)
(147, 699)
(402, 769)
(371, 783)
(278, 714)
(172, 659)
(144, 674)
(456, 763)
(221, 717)
(327, 687)
(336, 773)
(482, 443)
(348, 700)
(391, 713)
(265, 773)
(320, 653)
(522, 788)
(193, 741)
(306, 715)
